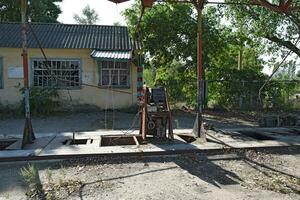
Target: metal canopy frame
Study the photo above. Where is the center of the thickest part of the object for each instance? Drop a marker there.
(284, 6)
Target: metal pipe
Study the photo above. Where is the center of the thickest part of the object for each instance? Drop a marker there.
(200, 131)
(28, 135)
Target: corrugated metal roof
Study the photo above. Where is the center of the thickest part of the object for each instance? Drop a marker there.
(67, 36)
(119, 55)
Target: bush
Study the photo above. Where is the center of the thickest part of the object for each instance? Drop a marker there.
(43, 101)
(31, 177)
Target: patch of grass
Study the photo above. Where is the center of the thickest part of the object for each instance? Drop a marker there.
(43, 101)
(31, 177)
(60, 186)
(9, 111)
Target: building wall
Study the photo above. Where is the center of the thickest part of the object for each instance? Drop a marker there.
(102, 98)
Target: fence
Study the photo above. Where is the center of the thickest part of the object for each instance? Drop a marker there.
(277, 95)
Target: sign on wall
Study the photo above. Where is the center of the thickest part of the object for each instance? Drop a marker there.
(15, 72)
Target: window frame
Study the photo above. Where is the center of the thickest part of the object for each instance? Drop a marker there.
(100, 68)
(32, 60)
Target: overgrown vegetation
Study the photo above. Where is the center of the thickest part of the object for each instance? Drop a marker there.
(169, 37)
(38, 11)
(53, 188)
(43, 101)
(31, 177)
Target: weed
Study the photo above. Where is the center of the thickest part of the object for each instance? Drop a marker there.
(60, 186)
(43, 101)
(49, 177)
(31, 177)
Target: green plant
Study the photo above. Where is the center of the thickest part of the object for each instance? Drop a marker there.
(31, 177)
(49, 176)
(43, 101)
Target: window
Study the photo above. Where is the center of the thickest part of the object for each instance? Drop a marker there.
(56, 73)
(114, 73)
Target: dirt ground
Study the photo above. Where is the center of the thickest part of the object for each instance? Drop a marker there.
(91, 121)
(245, 175)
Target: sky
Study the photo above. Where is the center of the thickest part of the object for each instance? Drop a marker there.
(108, 12)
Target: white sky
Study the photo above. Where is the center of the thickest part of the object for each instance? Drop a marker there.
(108, 12)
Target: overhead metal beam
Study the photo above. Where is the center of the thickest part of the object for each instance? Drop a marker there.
(118, 1)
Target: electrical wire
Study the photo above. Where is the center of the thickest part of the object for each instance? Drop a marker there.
(209, 2)
(109, 88)
(48, 68)
(274, 72)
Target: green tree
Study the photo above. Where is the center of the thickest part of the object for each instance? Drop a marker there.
(89, 16)
(169, 37)
(280, 29)
(38, 11)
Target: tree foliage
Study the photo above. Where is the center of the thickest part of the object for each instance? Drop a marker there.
(89, 16)
(169, 37)
(279, 28)
(38, 11)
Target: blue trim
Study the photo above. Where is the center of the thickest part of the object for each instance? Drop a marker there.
(111, 59)
(57, 59)
(1, 73)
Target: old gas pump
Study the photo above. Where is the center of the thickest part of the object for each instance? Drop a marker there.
(156, 117)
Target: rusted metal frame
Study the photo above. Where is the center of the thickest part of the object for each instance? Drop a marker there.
(118, 1)
(199, 4)
(136, 140)
(171, 134)
(144, 114)
(283, 7)
(28, 134)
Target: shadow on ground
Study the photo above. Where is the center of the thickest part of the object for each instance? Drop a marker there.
(93, 121)
(198, 165)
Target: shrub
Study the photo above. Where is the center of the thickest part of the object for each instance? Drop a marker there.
(43, 101)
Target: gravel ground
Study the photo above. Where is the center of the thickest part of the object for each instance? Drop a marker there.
(251, 175)
(248, 175)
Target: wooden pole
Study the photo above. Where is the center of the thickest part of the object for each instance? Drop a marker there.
(28, 135)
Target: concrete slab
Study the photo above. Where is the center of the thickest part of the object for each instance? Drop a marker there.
(17, 153)
(58, 144)
(39, 143)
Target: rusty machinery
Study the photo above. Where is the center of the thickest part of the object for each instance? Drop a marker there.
(155, 115)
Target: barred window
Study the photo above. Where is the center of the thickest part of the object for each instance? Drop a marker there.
(56, 73)
(113, 73)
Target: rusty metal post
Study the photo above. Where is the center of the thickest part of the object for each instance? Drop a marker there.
(198, 126)
(28, 135)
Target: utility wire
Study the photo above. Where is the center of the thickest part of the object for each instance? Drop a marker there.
(210, 2)
(274, 72)
(69, 81)
(131, 128)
